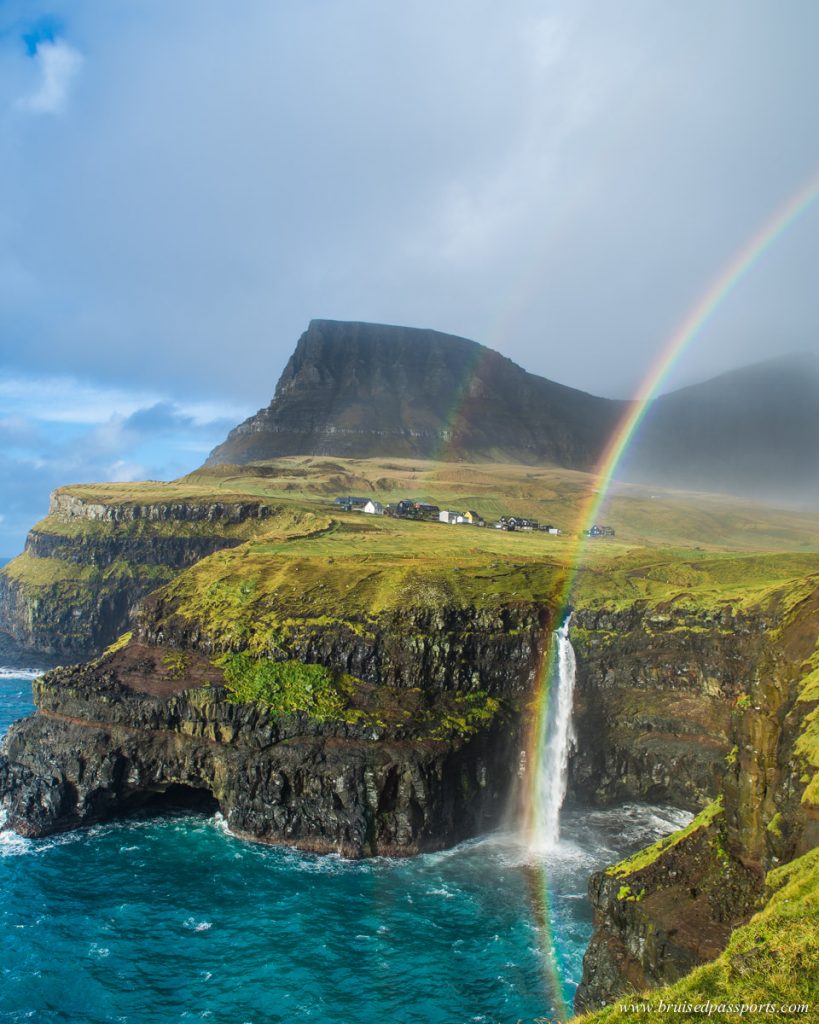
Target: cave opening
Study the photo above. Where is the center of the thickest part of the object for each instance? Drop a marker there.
(177, 798)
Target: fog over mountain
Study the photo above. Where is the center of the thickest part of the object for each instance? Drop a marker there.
(361, 390)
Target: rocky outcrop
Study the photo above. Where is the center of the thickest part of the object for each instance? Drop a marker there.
(673, 907)
(654, 697)
(127, 732)
(87, 565)
(64, 504)
(442, 649)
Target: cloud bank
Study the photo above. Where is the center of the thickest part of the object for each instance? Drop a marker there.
(185, 185)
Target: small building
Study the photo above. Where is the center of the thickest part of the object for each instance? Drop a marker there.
(513, 523)
(349, 503)
(373, 508)
(548, 528)
(451, 517)
(599, 531)
(426, 511)
(473, 518)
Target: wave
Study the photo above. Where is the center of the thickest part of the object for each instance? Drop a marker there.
(20, 673)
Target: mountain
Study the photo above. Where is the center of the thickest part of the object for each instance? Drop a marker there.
(369, 390)
(361, 390)
(752, 431)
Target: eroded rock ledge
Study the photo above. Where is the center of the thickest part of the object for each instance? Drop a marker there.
(112, 737)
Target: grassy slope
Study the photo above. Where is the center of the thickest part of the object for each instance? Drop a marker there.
(770, 960)
(362, 565)
(312, 560)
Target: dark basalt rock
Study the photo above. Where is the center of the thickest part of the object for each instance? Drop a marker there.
(363, 390)
(126, 559)
(658, 919)
(96, 749)
(653, 702)
(656, 924)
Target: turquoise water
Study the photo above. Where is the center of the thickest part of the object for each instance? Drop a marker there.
(172, 919)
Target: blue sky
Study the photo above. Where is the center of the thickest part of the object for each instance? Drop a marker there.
(186, 184)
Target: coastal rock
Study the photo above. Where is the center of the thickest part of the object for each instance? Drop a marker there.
(87, 566)
(97, 747)
(673, 907)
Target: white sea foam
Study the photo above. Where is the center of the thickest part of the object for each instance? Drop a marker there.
(20, 673)
(197, 926)
(12, 845)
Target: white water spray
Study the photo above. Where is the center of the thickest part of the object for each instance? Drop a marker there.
(557, 737)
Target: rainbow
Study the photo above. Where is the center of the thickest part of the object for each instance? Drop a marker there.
(690, 327)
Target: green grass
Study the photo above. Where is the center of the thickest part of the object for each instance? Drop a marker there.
(286, 687)
(645, 858)
(769, 961)
(361, 567)
(61, 574)
(289, 687)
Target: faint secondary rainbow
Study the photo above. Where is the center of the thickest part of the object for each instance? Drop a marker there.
(743, 262)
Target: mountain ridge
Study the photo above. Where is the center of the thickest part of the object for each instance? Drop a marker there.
(360, 390)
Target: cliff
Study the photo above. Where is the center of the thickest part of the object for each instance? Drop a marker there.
(418, 680)
(391, 776)
(361, 390)
(415, 751)
(675, 906)
(102, 548)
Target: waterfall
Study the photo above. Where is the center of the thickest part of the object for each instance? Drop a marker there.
(556, 735)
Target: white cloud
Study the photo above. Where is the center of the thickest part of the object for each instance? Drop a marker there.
(123, 472)
(58, 399)
(58, 65)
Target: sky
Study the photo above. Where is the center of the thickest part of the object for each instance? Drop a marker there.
(187, 184)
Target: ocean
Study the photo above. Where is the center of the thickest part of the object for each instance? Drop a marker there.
(171, 918)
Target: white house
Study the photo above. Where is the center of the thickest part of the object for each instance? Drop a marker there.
(373, 508)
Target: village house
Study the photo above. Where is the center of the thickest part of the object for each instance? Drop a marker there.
(473, 518)
(350, 503)
(515, 523)
(427, 511)
(373, 508)
(599, 531)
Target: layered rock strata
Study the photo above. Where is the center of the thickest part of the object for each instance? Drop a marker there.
(122, 734)
(89, 563)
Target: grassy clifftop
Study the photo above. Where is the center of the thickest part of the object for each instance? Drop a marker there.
(106, 545)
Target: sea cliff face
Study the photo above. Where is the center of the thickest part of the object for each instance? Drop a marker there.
(675, 906)
(100, 747)
(420, 758)
(87, 565)
(428, 751)
(655, 693)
